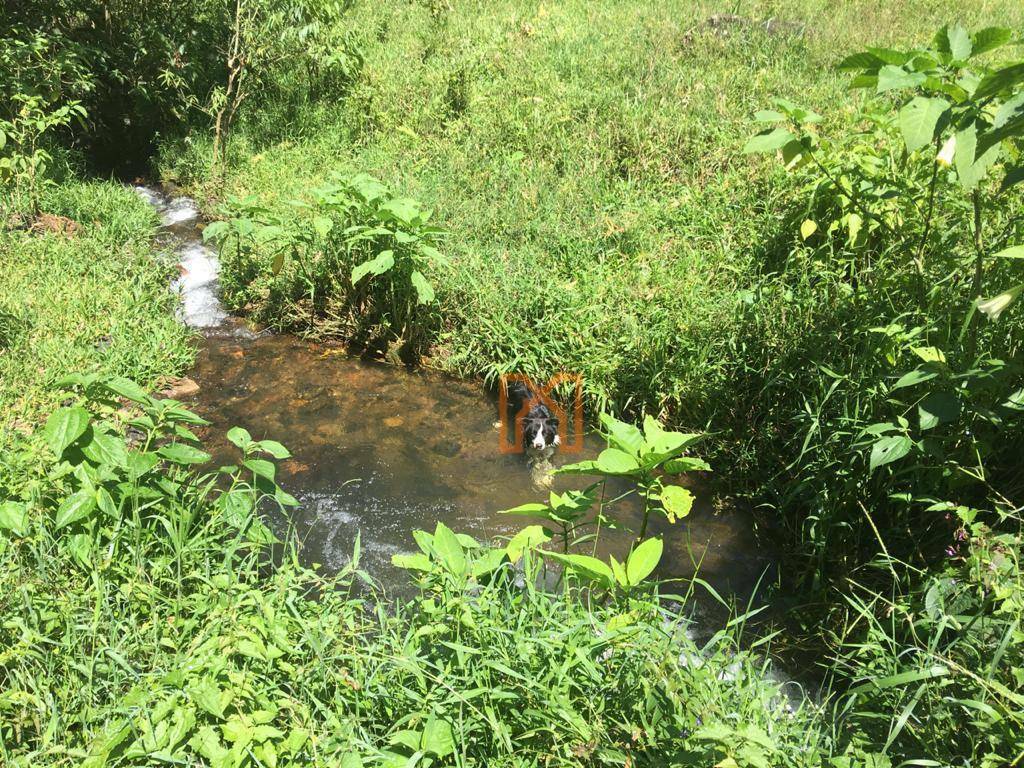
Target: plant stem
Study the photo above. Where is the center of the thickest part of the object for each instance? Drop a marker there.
(976, 282)
(929, 215)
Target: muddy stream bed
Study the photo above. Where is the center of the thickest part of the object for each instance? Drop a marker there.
(379, 451)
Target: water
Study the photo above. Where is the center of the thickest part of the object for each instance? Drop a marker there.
(381, 451)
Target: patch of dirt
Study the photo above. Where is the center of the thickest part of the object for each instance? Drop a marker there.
(726, 24)
(45, 223)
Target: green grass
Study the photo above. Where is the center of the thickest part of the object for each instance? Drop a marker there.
(603, 219)
(97, 301)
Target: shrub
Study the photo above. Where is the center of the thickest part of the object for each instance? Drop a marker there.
(353, 258)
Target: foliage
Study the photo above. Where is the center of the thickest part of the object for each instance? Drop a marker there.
(354, 252)
(205, 655)
(936, 674)
(40, 86)
(97, 300)
(910, 220)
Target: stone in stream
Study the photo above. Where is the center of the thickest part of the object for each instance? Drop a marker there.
(179, 388)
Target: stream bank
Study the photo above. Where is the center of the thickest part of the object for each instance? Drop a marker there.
(380, 451)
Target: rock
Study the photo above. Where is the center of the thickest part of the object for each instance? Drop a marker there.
(448, 448)
(179, 388)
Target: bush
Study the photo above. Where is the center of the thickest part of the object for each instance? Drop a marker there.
(352, 259)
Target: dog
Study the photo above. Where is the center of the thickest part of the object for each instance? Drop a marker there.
(540, 426)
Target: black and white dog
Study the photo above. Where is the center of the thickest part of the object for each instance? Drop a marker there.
(540, 426)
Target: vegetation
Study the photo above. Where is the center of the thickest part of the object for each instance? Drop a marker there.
(523, 188)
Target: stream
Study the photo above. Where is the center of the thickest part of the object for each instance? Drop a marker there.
(379, 451)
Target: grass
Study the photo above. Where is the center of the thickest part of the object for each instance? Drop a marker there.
(584, 158)
(603, 219)
(95, 301)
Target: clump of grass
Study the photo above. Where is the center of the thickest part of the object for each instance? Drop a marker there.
(98, 300)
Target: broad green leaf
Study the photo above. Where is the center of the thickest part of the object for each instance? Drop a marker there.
(75, 507)
(209, 696)
(240, 437)
(323, 225)
(971, 169)
(619, 572)
(612, 461)
(995, 306)
(214, 231)
(273, 448)
(864, 60)
(918, 120)
(891, 77)
(106, 449)
(682, 464)
(179, 453)
(677, 501)
(414, 562)
(63, 427)
(529, 509)
(930, 354)
(208, 744)
(261, 468)
(960, 44)
(1014, 176)
(938, 408)
(769, 141)
(80, 547)
(585, 566)
(531, 537)
(854, 222)
(424, 290)
(1000, 80)
(126, 388)
(624, 436)
(448, 549)
(913, 378)
(1013, 252)
(437, 737)
(889, 449)
(14, 518)
(990, 38)
(403, 209)
(643, 560)
(378, 265)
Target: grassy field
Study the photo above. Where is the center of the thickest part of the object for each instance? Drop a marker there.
(96, 300)
(601, 216)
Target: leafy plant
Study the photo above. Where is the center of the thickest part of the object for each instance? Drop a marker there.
(644, 458)
(354, 249)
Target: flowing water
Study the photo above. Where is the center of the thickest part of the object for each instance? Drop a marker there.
(379, 451)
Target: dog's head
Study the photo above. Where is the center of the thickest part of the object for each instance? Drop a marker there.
(540, 428)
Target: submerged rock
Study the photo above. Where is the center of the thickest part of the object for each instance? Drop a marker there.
(179, 388)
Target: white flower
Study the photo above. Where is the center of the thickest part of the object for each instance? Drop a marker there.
(994, 307)
(945, 157)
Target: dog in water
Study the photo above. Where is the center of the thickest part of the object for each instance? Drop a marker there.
(539, 430)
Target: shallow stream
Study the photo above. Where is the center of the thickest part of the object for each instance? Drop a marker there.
(381, 451)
